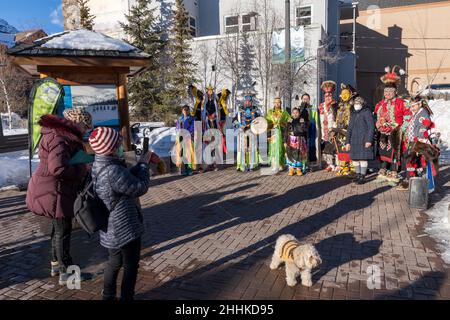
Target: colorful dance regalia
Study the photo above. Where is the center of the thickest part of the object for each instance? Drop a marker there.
(421, 156)
(277, 119)
(390, 116)
(296, 142)
(327, 111)
(342, 122)
(314, 127)
(186, 163)
(197, 97)
(215, 112)
(247, 141)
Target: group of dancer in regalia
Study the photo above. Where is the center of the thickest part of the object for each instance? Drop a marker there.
(349, 133)
(397, 133)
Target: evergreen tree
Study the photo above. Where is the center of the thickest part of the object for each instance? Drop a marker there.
(86, 18)
(182, 68)
(246, 64)
(145, 89)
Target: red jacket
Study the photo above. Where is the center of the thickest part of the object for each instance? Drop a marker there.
(53, 188)
(400, 110)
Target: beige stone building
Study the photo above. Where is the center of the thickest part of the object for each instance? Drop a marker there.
(413, 34)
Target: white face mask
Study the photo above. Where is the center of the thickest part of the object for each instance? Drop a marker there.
(358, 107)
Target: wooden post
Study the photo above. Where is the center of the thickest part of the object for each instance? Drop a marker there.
(124, 115)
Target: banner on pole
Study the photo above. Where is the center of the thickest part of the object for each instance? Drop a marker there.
(46, 96)
(297, 45)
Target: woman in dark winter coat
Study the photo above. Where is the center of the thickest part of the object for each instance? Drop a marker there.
(359, 140)
(119, 188)
(53, 188)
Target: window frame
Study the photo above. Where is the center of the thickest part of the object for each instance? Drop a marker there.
(250, 15)
(232, 25)
(297, 18)
(193, 29)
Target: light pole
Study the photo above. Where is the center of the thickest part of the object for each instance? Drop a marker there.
(287, 53)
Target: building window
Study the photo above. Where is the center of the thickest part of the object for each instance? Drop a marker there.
(232, 24)
(193, 26)
(249, 22)
(304, 16)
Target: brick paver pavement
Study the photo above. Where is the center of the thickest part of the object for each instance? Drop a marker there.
(211, 236)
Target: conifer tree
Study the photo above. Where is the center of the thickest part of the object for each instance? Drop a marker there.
(182, 68)
(145, 89)
(246, 64)
(86, 18)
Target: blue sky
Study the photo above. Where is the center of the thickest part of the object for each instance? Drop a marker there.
(30, 14)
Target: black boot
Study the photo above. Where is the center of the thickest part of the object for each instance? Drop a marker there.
(362, 179)
(356, 178)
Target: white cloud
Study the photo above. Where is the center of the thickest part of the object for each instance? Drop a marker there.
(56, 16)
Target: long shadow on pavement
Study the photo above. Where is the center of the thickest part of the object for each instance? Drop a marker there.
(426, 287)
(201, 280)
(225, 214)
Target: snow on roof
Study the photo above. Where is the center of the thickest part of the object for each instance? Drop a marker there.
(86, 40)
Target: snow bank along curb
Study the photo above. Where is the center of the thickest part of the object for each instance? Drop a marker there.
(14, 171)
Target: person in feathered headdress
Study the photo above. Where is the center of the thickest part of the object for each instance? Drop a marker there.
(391, 113)
(346, 98)
(421, 154)
(327, 110)
(212, 110)
(247, 144)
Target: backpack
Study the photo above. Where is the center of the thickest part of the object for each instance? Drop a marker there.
(90, 211)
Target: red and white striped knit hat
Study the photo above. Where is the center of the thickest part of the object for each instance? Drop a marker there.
(104, 141)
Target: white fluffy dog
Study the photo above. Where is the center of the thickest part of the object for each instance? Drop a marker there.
(299, 258)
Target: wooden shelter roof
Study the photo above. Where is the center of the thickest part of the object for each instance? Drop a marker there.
(29, 56)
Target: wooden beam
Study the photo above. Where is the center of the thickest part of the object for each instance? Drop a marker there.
(80, 62)
(124, 115)
(84, 70)
(83, 75)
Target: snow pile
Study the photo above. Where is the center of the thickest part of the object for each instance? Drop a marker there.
(19, 125)
(439, 227)
(87, 40)
(15, 169)
(441, 117)
(162, 140)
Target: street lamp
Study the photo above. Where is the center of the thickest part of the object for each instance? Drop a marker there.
(287, 53)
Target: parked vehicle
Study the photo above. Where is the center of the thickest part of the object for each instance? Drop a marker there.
(437, 92)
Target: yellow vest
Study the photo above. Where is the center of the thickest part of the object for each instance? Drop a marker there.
(287, 251)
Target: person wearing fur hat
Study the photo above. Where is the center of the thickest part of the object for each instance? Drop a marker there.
(327, 112)
(119, 188)
(53, 187)
(360, 138)
(419, 147)
(391, 113)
